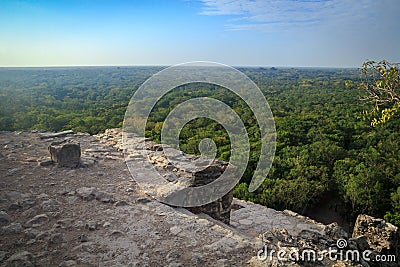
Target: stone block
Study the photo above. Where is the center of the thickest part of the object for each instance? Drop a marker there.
(382, 237)
(65, 153)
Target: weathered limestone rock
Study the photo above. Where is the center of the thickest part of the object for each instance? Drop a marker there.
(309, 248)
(382, 237)
(183, 174)
(52, 135)
(23, 258)
(335, 232)
(13, 228)
(66, 153)
(145, 232)
(45, 162)
(90, 193)
(38, 220)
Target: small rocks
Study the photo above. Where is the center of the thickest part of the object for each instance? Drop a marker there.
(104, 197)
(28, 202)
(223, 245)
(79, 224)
(13, 228)
(87, 162)
(38, 220)
(223, 263)
(42, 235)
(14, 206)
(196, 260)
(69, 263)
(173, 255)
(29, 212)
(171, 177)
(175, 230)
(143, 200)
(43, 196)
(50, 205)
(91, 233)
(31, 159)
(4, 218)
(31, 233)
(23, 258)
(90, 193)
(45, 162)
(3, 255)
(121, 203)
(83, 238)
(56, 226)
(67, 222)
(91, 225)
(86, 193)
(86, 247)
(175, 264)
(14, 170)
(57, 238)
(117, 233)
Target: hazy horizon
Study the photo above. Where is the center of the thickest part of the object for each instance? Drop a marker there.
(248, 33)
(166, 66)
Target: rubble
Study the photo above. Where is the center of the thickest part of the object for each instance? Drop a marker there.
(98, 215)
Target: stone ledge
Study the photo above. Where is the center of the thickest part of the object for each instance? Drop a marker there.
(197, 175)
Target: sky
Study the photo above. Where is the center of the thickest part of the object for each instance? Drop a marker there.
(282, 33)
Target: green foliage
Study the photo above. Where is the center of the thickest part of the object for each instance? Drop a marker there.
(323, 148)
(82, 99)
(241, 191)
(393, 218)
(380, 83)
(394, 215)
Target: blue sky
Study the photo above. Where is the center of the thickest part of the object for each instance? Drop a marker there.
(332, 33)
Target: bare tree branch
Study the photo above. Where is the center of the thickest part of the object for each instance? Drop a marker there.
(381, 83)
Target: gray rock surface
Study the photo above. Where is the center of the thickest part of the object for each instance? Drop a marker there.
(4, 218)
(38, 220)
(65, 153)
(53, 135)
(382, 237)
(12, 228)
(23, 258)
(191, 172)
(98, 215)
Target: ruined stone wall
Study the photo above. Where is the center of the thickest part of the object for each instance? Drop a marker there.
(219, 209)
(53, 215)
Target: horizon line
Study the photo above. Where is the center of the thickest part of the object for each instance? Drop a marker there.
(169, 65)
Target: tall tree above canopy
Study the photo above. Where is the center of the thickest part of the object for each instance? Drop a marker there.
(380, 82)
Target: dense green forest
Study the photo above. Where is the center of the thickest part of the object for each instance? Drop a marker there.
(326, 146)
